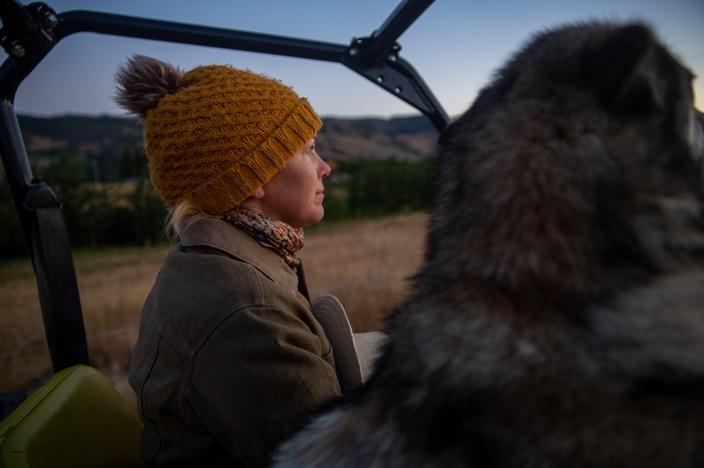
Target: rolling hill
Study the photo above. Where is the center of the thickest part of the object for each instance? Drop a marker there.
(104, 138)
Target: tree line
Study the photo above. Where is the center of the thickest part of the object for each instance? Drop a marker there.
(126, 210)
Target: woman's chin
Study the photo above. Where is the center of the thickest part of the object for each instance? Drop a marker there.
(317, 216)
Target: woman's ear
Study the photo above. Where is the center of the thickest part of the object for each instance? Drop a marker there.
(258, 193)
(252, 202)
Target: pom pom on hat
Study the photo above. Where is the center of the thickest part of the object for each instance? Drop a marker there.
(216, 133)
(143, 82)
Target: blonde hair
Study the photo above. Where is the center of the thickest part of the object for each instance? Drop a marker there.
(182, 215)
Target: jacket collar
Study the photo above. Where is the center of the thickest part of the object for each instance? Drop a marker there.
(220, 235)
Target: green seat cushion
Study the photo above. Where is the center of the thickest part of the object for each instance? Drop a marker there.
(76, 419)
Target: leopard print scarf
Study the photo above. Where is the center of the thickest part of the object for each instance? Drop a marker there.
(276, 235)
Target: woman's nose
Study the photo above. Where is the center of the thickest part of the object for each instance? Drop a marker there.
(324, 168)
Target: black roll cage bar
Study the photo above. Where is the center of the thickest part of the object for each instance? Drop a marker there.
(30, 32)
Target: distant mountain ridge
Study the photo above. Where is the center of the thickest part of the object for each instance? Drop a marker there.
(104, 138)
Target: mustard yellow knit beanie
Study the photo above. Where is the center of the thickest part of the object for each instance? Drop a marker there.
(216, 133)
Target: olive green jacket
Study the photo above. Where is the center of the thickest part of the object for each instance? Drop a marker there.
(230, 361)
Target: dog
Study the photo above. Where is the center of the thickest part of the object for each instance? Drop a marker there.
(558, 316)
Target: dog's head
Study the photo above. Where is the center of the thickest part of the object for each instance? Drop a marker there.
(577, 170)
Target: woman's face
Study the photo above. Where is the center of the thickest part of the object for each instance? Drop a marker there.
(295, 194)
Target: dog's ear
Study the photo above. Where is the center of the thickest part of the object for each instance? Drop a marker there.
(622, 71)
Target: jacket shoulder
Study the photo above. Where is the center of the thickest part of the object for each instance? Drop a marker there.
(199, 287)
(207, 273)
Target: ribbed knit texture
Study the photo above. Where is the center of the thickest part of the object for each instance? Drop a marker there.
(224, 133)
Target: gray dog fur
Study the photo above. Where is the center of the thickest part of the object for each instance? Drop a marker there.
(558, 318)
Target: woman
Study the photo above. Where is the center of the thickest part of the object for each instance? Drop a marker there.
(230, 360)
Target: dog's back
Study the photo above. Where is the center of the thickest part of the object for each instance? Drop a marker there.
(557, 319)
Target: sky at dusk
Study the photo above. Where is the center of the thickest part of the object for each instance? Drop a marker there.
(455, 45)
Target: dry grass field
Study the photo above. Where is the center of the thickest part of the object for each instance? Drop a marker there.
(365, 263)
